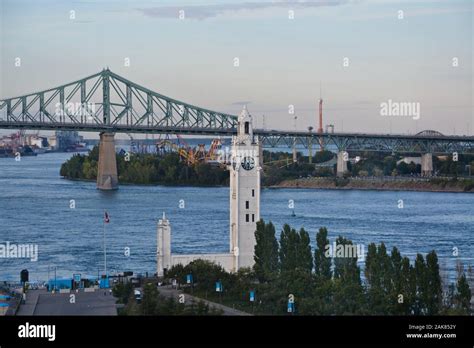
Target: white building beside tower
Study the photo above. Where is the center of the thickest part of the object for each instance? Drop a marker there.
(245, 169)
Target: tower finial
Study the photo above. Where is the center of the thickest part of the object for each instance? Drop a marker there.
(164, 216)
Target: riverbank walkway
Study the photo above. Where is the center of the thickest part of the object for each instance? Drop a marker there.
(169, 291)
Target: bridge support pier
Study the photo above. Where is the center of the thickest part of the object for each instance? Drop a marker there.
(295, 159)
(342, 158)
(427, 164)
(107, 177)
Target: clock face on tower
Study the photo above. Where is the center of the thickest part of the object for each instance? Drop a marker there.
(248, 163)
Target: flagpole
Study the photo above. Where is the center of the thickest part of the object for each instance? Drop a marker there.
(105, 253)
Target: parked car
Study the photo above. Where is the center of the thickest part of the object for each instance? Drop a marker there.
(138, 295)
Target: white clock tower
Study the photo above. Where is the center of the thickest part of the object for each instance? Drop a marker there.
(244, 192)
(244, 167)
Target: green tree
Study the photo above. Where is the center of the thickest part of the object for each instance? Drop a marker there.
(72, 169)
(266, 252)
(296, 262)
(322, 262)
(295, 250)
(177, 272)
(420, 307)
(94, 154)
(389, 164)
(304, 251)
(403, 168)
(345, 264)
(348, 291)
(321, 300)
(205, 274)
(396, 286)
(434, 291)
(463, 296)
(149, 303)
(387, 275)
(371, 265)
(288, 249)
(408, 288)
(323, 156)
(122, 292)
(378, 272)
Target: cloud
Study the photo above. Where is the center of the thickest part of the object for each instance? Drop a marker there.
(413, 13)
(242, 103)
(202, 12)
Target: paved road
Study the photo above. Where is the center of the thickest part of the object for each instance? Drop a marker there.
(169, 291)
(28, 308)
(40, 302)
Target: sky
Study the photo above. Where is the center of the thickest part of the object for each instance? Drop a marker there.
(355, 54)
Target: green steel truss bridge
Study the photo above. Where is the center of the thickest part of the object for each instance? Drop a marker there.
(107, 102)
(423, 142)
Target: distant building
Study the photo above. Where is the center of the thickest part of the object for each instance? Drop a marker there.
(408, 160)
(53, 142)
(66, 139)
(36, 141)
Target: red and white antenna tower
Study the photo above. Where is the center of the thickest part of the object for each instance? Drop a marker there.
(320, 129)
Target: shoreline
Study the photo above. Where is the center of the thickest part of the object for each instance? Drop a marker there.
(330, 184)
(137, 184)
(373, 185)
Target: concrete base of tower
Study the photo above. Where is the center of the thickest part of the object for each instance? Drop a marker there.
(226, 261)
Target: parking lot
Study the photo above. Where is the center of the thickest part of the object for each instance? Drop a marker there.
(40, 302)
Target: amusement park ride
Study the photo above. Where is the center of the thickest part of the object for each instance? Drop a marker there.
(191, 155)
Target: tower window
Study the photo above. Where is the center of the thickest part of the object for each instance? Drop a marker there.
(253, 217)
(253, 193)
(247, 126)
(246, 217)
(247, 204)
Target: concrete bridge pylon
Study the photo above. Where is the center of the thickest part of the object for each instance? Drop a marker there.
(427, 164)
(342, 158)
(107, 176)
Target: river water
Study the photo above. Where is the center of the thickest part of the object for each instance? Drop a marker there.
(35, 208)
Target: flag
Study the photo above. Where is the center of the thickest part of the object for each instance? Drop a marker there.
(106, 218)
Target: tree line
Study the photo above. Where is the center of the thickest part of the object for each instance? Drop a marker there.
(322, 283)
(170, 169)
(166, 169)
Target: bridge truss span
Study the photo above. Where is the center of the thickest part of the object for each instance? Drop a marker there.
(109, 102)
(418, 143)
